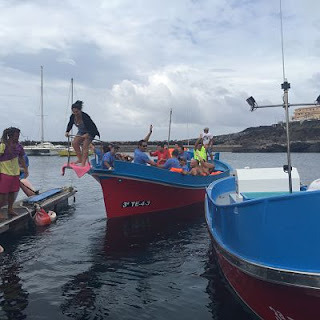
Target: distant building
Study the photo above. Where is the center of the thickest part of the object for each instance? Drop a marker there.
(310, 113)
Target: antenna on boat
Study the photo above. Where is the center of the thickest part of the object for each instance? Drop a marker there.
(285, 86)
(71, 90)
(41, 104)
(169, 127)
(69, 142)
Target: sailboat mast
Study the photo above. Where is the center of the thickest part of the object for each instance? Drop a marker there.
(71, 91)
(169, 127)
(41, 106)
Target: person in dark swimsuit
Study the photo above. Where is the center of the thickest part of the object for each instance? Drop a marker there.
(87, 130)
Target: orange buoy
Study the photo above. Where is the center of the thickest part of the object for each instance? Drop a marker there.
(42, 218)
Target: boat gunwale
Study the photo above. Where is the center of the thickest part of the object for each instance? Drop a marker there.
(104, 173)
(257, 200)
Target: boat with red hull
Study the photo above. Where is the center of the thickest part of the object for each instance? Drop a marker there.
(266, 241)
(133, 189)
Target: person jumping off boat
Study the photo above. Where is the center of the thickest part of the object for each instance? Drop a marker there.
(87, 130)
(11, 153)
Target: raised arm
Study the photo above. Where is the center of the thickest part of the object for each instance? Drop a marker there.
(147, 137)
(198, 141)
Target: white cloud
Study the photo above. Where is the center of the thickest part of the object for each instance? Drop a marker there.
(133, 61)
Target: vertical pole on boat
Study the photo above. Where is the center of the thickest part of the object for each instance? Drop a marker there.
(41, 105)
(286, 86)
(169, 127)
(71, 90)
(69, 143)
(68, 150)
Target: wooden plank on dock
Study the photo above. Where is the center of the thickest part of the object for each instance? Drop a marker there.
(26, 211)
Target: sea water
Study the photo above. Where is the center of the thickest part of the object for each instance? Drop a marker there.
(84, 267)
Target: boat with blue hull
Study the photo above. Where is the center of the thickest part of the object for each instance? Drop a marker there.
(266, 240)
(133, 189)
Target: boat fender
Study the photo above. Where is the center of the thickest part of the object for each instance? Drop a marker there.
(180, 170)
(42, 218)
(314, 185)
(52, 215)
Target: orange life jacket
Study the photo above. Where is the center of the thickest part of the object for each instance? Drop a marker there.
(215, 172)
(176, 170)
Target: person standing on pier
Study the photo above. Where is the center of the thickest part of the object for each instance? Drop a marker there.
(11, 154)
(87, 130)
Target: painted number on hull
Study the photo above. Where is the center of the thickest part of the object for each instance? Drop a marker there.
(279, 315)
(132, 204)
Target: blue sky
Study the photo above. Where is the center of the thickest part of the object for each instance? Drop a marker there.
(133, 61)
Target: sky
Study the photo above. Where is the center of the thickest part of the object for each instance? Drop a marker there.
(132, 61)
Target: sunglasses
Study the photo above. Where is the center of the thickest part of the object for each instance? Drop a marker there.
(144, 145)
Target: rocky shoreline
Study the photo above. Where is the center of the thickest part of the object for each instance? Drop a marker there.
(305, 137)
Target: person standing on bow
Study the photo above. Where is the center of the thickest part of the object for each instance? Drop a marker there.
(87, 130)
(11, 154)
(207, 139)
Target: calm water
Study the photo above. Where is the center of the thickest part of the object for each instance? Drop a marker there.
(82, 267)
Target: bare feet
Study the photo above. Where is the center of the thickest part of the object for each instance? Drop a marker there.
(12, 213)
(79, 164)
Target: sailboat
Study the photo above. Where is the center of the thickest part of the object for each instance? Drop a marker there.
(43, 148)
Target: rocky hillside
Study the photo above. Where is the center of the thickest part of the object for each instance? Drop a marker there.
(305, 137)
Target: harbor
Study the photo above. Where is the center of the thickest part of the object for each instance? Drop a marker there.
(85, 260)
(160, 160)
